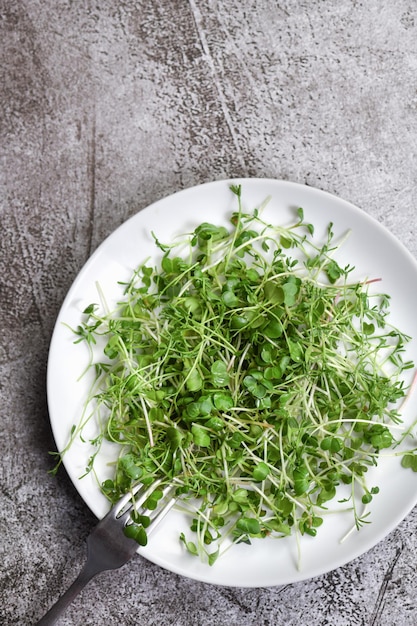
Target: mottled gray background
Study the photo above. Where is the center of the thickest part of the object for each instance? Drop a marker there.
(109, 105)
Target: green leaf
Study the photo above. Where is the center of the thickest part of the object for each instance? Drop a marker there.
(174, 436)
(194, 381)
(300, 213)
(333, 271)
(368, 329)
(215, 423)
(325, 495)
(230, 299)
(273, 330)
(112, 348)
(284, 505)
(206, 232)
(201, 437)
(193, 306)
(221, 507)
(236, 189)
(409, 461)
(301, 480)
(268, 353)
(290, 290)
(248, 525)
(152, 501)
(256, 389)
(205, 406)
(128, 465)
(143, 520)
(213, 556)
(379, 436)
(240, 495)
(285, 242)
(219, 374)
(137, 533)
(260, 472)
(274, 293)
(190, 545)
(90, 309)
(236, 440)
(166, 264)
(193, 410)
(296, 350)
(243, 320)
(223, 401)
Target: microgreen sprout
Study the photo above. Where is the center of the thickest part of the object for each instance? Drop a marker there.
(253, 373)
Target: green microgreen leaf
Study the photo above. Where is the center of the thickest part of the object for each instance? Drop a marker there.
(409, 461)
(223, 401)
(260, 472)
(333, 271)
(128, 464)
(219, 373)
(201, 436)
(248, 525)
(137, 533)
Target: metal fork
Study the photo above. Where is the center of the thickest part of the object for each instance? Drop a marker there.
(107, 545)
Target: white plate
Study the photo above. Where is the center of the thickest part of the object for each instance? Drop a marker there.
(373, 251)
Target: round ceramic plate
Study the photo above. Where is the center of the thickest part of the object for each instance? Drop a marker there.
(373, 251)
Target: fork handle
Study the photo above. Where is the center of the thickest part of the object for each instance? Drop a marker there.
(57, 609)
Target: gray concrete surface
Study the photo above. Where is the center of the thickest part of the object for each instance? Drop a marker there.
(107, 106)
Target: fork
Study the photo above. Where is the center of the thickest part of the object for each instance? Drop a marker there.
(107, 546)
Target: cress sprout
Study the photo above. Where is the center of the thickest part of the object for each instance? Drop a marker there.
(252, 373)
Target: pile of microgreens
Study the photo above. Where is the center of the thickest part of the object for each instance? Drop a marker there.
(258, 382)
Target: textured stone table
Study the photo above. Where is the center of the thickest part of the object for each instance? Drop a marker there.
(107, 106)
